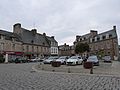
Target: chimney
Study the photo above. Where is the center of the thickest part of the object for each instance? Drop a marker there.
(17, 28)
(44, 34)
(34, 31)
(77, 38)
(114, 27)
(52, 37)
(93, 33)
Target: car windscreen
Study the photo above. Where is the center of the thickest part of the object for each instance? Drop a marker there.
(73, 57)
(92, 58)
(52, 57)
(62, 57)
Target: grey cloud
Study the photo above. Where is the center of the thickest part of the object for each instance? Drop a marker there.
(62, 18)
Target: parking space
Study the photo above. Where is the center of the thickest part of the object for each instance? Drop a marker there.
(21, 76)
(103, 68)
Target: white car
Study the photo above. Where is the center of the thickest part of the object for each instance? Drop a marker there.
(62, 59)
(37, 59)
(74, 60)
(50, 59)
(93, 59)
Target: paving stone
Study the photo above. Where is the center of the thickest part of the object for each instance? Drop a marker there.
(19, 77)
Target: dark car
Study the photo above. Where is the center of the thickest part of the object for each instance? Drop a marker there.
(94, 60)
(21, 60)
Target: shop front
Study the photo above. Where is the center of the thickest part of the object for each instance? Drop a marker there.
(11, 55)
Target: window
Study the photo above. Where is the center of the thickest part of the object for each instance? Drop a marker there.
(84, 38)
(110, 35)
(13, 47)
(27, 47)
(93, 39)
(103, 37)
(2, 46)
(32, 48)
(98, 39)
(0, 36)
(37, 49)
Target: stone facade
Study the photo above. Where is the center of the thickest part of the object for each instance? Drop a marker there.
(10, 44)
(26, 43)
(102, 44)
(35, 44)
(66, 50)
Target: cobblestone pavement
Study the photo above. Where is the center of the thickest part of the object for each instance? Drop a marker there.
(22, 77)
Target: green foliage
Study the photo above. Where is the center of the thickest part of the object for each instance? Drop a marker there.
(81, 48)
(2, 60)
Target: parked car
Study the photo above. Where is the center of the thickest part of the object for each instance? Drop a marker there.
(37, 59)
(62, 59)
(93, 59)
(74, 60)
(50, 59)
(107, 59)
(20, 60)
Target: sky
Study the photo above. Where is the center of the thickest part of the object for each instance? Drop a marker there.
(63, 19)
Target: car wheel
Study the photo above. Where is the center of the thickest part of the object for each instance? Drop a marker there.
(77, 63)
(64, 63)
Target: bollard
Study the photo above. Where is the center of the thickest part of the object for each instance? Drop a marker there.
(91, 71)
(69, 70)
(88, 65)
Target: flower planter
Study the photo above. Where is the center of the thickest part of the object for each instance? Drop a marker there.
(88, 65)
(56, 64)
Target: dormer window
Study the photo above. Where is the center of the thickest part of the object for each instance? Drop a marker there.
(98, 39)
(43, 43)
(32, 41)
(103, 37)
(110, 35)
(84, 38)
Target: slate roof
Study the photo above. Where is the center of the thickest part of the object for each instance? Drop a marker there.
(3, 32)
(51, 39)
(10, 34)
(38, 39)
(112, 32)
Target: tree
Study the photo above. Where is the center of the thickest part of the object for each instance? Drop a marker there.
(81, 48)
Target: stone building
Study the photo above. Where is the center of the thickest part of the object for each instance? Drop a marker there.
(66, 50)
(35, 44)
(10, 44)
(102, 44)
(27, 43)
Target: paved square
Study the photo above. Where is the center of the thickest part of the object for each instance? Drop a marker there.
(22, 77)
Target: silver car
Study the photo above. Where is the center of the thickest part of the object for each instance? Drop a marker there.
(62, 59)
(50, 59)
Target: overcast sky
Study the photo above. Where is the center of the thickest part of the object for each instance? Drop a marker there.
(63, 19)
